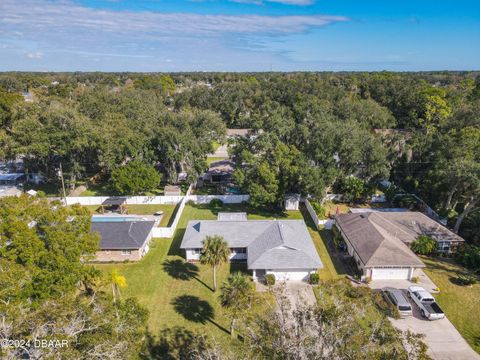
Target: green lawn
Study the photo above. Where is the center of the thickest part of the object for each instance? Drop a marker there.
(460, 303)
(213, 159)
(179, 294)
(168, 211)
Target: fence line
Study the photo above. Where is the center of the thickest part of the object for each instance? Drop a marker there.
(328, 223)
(162, 232)
(227, 199)
(130, 200)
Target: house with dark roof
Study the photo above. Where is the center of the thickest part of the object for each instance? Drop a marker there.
(219, 172)
(380, 241)
(123, 240)
(283, 248)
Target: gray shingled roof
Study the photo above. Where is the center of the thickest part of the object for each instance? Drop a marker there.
(232, 216)
(271, 244)
(374, 244)
(122, 235)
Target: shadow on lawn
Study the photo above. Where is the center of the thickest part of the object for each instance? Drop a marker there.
(173, 343)
(176, 242)
(179, 269)
(194, 309)
(182, 270)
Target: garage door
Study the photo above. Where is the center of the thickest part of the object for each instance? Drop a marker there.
(390, 273)
(289, 275)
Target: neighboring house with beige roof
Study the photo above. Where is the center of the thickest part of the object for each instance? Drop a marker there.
(379, 241)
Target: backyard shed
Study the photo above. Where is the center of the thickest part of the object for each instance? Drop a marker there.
(172, 190)
(292, 201)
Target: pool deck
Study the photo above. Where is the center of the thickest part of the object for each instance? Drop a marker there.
(121, 217)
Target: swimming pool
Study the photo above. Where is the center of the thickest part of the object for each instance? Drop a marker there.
(116, 218)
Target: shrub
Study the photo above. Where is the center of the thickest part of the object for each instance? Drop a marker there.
(385, 306)
(270, 279)
(41, 194)
(424, 245)
(319, 209)
(391, 192)
(467, 279)
(216, 203)
(356, 292)
(415, 279)
(190, 203)
(469, 256)
(314, 279)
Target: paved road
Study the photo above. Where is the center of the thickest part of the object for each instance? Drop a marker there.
(442, 338)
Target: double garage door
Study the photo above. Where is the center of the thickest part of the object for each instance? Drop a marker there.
(390, 273)
(289, 275)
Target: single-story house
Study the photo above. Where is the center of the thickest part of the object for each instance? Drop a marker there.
(122, 240)
(219, 172)
(283, 248)
(172, 190)
(233, 133)
(380, 241)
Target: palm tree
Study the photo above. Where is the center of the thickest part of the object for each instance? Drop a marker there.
(215, 252)
(117, 282)
(237, 293)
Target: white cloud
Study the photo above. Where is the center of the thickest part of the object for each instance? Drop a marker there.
(32, 16)
(34, 55)
(286, 2)
(78, 37)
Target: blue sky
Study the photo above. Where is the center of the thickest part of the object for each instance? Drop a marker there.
(239, 35)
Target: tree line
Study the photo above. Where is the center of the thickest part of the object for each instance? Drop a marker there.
(420, 130)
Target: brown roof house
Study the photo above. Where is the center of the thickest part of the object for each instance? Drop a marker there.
(379, 241)
(219, 172)
(122, 240)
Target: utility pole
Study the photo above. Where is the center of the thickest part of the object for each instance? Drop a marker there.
(60, 173)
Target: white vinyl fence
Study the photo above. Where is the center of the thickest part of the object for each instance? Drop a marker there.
(226, 199)
(161, 232)
(328, 223)
(131, 200)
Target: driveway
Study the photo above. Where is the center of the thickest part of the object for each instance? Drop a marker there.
(442, 338)
(299, 292)
(424, 281)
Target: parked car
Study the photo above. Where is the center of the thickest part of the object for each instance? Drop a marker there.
(426, 302)
(399, 300)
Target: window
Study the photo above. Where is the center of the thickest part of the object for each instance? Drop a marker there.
(444, 246)
(196, 251)
(126, 252)
(238, 250)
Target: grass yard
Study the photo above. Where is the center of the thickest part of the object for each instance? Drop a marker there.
(460, 303)
(213, 159)
(168, 211)
(178, 294)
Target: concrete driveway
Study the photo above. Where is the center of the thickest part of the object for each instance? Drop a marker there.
(424, 281)
(299, 292)
(442, 338)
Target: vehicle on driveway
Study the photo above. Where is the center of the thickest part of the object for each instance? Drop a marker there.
(425, 301)
(398, 299)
